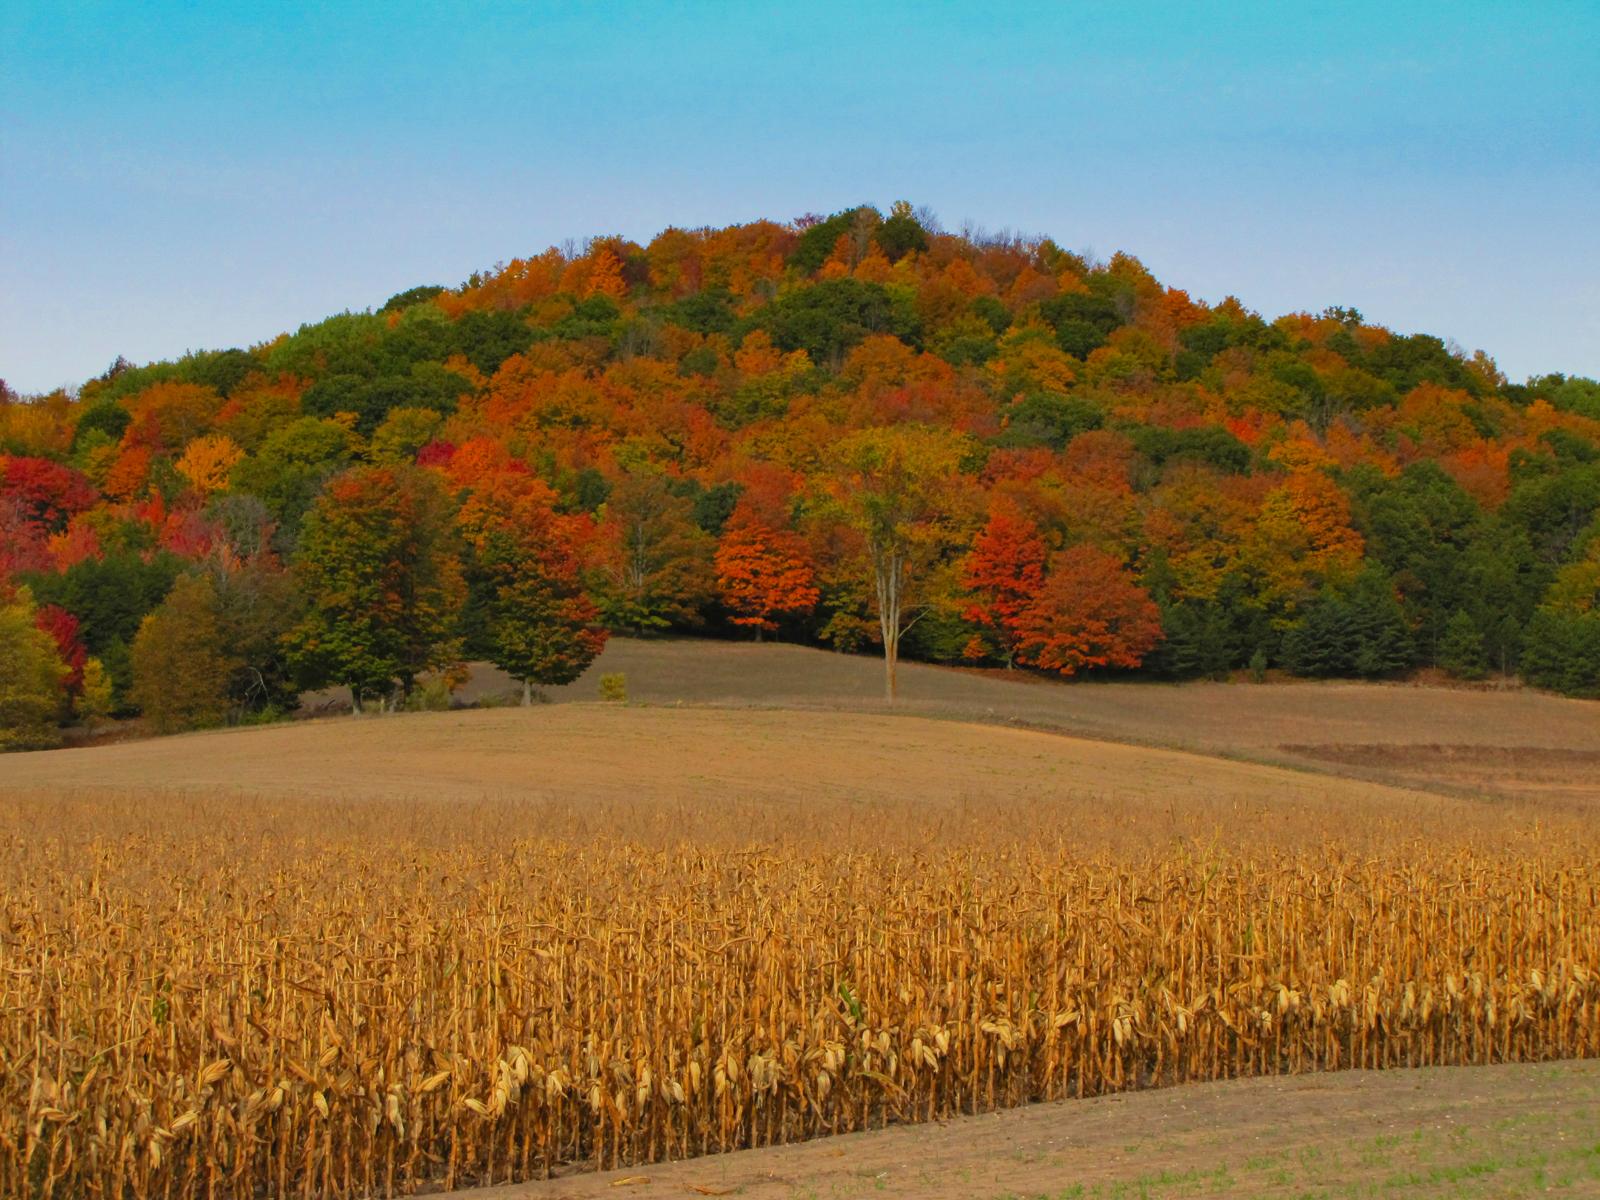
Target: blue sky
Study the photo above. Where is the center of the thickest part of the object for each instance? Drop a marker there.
(177, 176)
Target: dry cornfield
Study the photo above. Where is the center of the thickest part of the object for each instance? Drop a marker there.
(205, 997)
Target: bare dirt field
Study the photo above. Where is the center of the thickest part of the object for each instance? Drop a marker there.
(1519, 1130)
(1474, 741)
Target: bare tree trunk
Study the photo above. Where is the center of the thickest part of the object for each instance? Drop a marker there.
(889, 573)
(527, 693)
(355, 702)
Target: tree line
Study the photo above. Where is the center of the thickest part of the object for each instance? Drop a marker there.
(857, 431)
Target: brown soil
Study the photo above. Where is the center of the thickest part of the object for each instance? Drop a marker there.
(1463, 1131)
(1565, 777)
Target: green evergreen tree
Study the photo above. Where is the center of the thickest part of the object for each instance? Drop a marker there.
(1383, 643)
(1197, 642)
(1461, 650)
(1323, 641)
(1561, 651)
(1361, 632)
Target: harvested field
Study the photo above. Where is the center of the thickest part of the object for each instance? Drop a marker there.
(1466, 741)
(354, 957)
(713, 757)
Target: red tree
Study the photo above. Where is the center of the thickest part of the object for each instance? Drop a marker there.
(48, 493)
(1005, 573)
(1091, 613)
(63, 627)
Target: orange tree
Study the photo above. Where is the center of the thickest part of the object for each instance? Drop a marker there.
(1090, 613)
(1005, 573)
(763, 573)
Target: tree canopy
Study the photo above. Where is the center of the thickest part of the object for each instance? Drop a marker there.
(856, 430)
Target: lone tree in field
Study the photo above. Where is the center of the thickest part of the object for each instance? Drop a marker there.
(526, 575)
(378, 568)
(180, 668)
(899, 487)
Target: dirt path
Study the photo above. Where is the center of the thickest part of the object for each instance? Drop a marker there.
(1466, 1131)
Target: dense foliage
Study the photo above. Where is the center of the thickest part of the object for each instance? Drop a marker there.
(860, 432)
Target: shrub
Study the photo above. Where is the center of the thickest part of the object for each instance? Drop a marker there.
(614, 688)
(431, 695)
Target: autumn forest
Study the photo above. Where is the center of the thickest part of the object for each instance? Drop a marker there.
(859, 432)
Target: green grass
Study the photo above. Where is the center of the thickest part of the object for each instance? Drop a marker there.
(1527, 1159)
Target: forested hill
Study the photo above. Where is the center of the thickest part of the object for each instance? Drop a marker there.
(1076, 467)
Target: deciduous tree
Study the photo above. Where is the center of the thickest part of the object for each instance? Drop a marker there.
(763, 573)
(656, 569)
(48, 493)
(96, 701)
(32, 678)
(208, 461)
(1005, 573)
(180, 665)
(1090, 614)
(898, 486)
(526, 572)
(379, 571)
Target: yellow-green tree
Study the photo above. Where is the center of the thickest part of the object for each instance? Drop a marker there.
(96, 701)
(32, 679)
(180, 667)
(900, 487)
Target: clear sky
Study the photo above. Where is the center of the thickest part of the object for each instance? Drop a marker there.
(177, 176)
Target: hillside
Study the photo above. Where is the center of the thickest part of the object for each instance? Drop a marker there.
(704, 762)
(858, 432)
(1509, 743)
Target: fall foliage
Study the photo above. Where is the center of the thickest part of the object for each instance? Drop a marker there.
(32, 678)
(540, 626)
(856, 430)
(763, 574)
(1089, 613)
(377, 563)
(180, 668)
